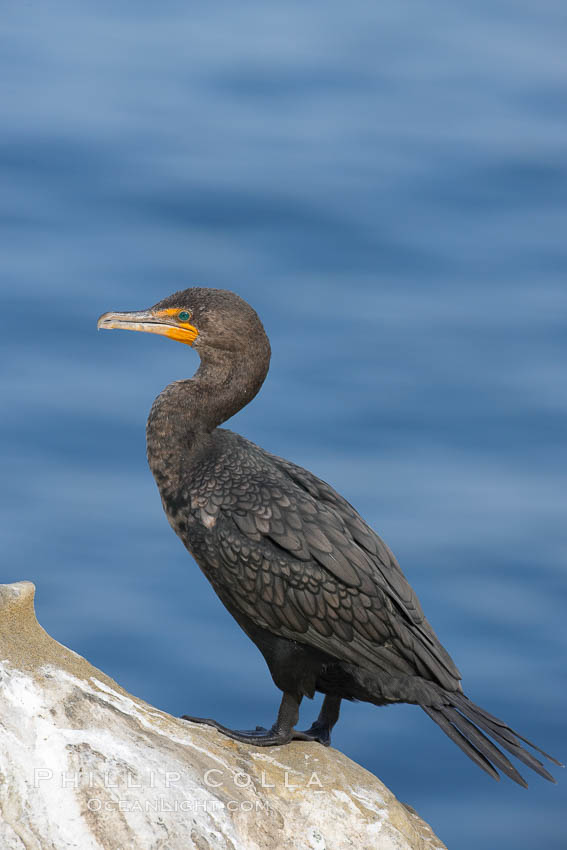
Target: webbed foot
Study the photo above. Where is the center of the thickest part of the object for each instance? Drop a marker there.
(282, 732)
(318, 731)
(260, 736)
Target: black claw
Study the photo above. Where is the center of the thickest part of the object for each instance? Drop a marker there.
(205, 721)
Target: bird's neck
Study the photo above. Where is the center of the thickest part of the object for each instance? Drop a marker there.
(186, 412)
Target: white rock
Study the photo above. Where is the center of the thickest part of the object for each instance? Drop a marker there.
(85, 765)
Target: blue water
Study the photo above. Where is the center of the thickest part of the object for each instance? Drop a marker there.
(387, 184)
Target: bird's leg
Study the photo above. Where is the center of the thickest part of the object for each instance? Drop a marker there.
(328, 716)
(281, 732)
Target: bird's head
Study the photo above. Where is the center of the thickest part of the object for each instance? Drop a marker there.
(203, 318)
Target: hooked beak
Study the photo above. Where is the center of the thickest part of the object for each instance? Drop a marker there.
(164, 322)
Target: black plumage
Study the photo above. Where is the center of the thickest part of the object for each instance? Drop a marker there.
(312, 585)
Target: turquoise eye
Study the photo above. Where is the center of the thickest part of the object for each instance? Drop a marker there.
(184, 316)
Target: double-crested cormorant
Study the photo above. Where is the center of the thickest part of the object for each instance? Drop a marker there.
(312, 585)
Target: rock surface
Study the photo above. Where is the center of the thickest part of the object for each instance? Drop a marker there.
(85, 765)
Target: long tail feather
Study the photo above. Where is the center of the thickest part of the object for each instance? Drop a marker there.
(484, 744)
(461, 741)
(462, 721)
(465, 705)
